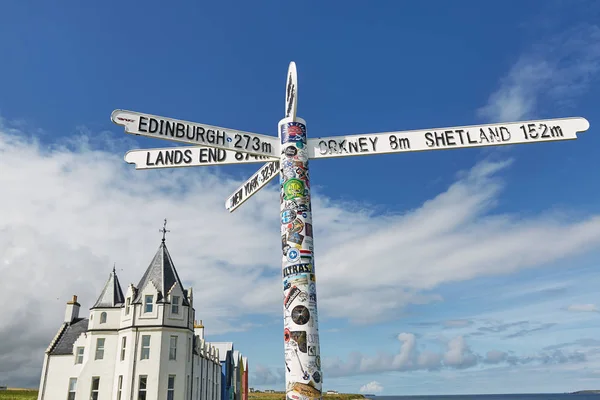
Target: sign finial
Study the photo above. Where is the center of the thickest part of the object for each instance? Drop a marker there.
(164, 230)
(291, 92)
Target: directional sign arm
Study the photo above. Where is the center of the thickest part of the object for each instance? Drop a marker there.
(256, 182)
(448, 138)
(189, 156)
(195, 133)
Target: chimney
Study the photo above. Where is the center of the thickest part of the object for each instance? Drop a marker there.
(199, 329)
(72, 311)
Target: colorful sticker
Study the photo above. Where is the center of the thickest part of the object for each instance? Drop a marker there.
(295, 226)
(317, 376)
(308, 231)
(291, 296)
(297, 269)
(295, 237)
(305, 255)
(300, 315)
(300, 338)
(286, 335)
(293, 132)
(293, 188)
(293, 255)
(287, 216)
(290, 151)
(305, 390)
(297, 205)
(296, 280)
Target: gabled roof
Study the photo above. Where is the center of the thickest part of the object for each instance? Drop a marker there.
(64, 344)
(112, 295)
(162, 273)
(224, 348)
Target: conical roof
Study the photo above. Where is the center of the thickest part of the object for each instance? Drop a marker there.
(112, 295)
(162, 273)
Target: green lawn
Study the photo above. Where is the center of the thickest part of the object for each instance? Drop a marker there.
(32, 395)
(18, 394)
(281, 396)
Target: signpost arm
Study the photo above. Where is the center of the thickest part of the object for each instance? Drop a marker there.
(303, 374)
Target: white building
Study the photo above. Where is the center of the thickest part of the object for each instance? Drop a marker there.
(143, 345)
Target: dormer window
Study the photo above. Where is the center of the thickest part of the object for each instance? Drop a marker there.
(148, 303)
(103, 318)
(175, 305)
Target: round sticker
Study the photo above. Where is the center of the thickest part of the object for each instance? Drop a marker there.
(297, 226)
(287, 216)
(293, 188)
(290, 151)
(293, 254)
(300, 315)
(286, 335)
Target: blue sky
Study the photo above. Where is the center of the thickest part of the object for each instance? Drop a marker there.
(462, 271)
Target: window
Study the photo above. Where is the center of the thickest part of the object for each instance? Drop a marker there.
(145, 354)
(72, 386)
(79, 356)
(95, 387)
(128, 304)
(120, 387)
(171, 388)
(190, 350)
(148, 303)
(123, 345)
(175, 305)
(99, 349)
(142, 387)
(197, 387)
(187, 386)
(103, 318)
(173, 348)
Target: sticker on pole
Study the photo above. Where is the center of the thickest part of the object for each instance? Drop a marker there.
(252, 185)
(195, 133)
(175, 157)
(448, 138)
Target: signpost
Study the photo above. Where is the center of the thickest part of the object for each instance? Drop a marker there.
(546, 130)
(177, 130)
(289, 155)
(169, 157)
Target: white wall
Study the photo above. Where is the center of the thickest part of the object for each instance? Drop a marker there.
(160, 325)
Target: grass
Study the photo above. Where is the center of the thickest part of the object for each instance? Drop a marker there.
(26, 394)
(18, 394)
(281, 396)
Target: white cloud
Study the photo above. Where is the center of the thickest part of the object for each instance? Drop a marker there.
(457, 355)
(69, 212)
(583, 307)
(558, 69)
(371, 387)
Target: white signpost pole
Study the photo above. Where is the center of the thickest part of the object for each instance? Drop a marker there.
(303, 376)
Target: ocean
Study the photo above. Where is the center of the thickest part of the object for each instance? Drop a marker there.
(557, 396)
